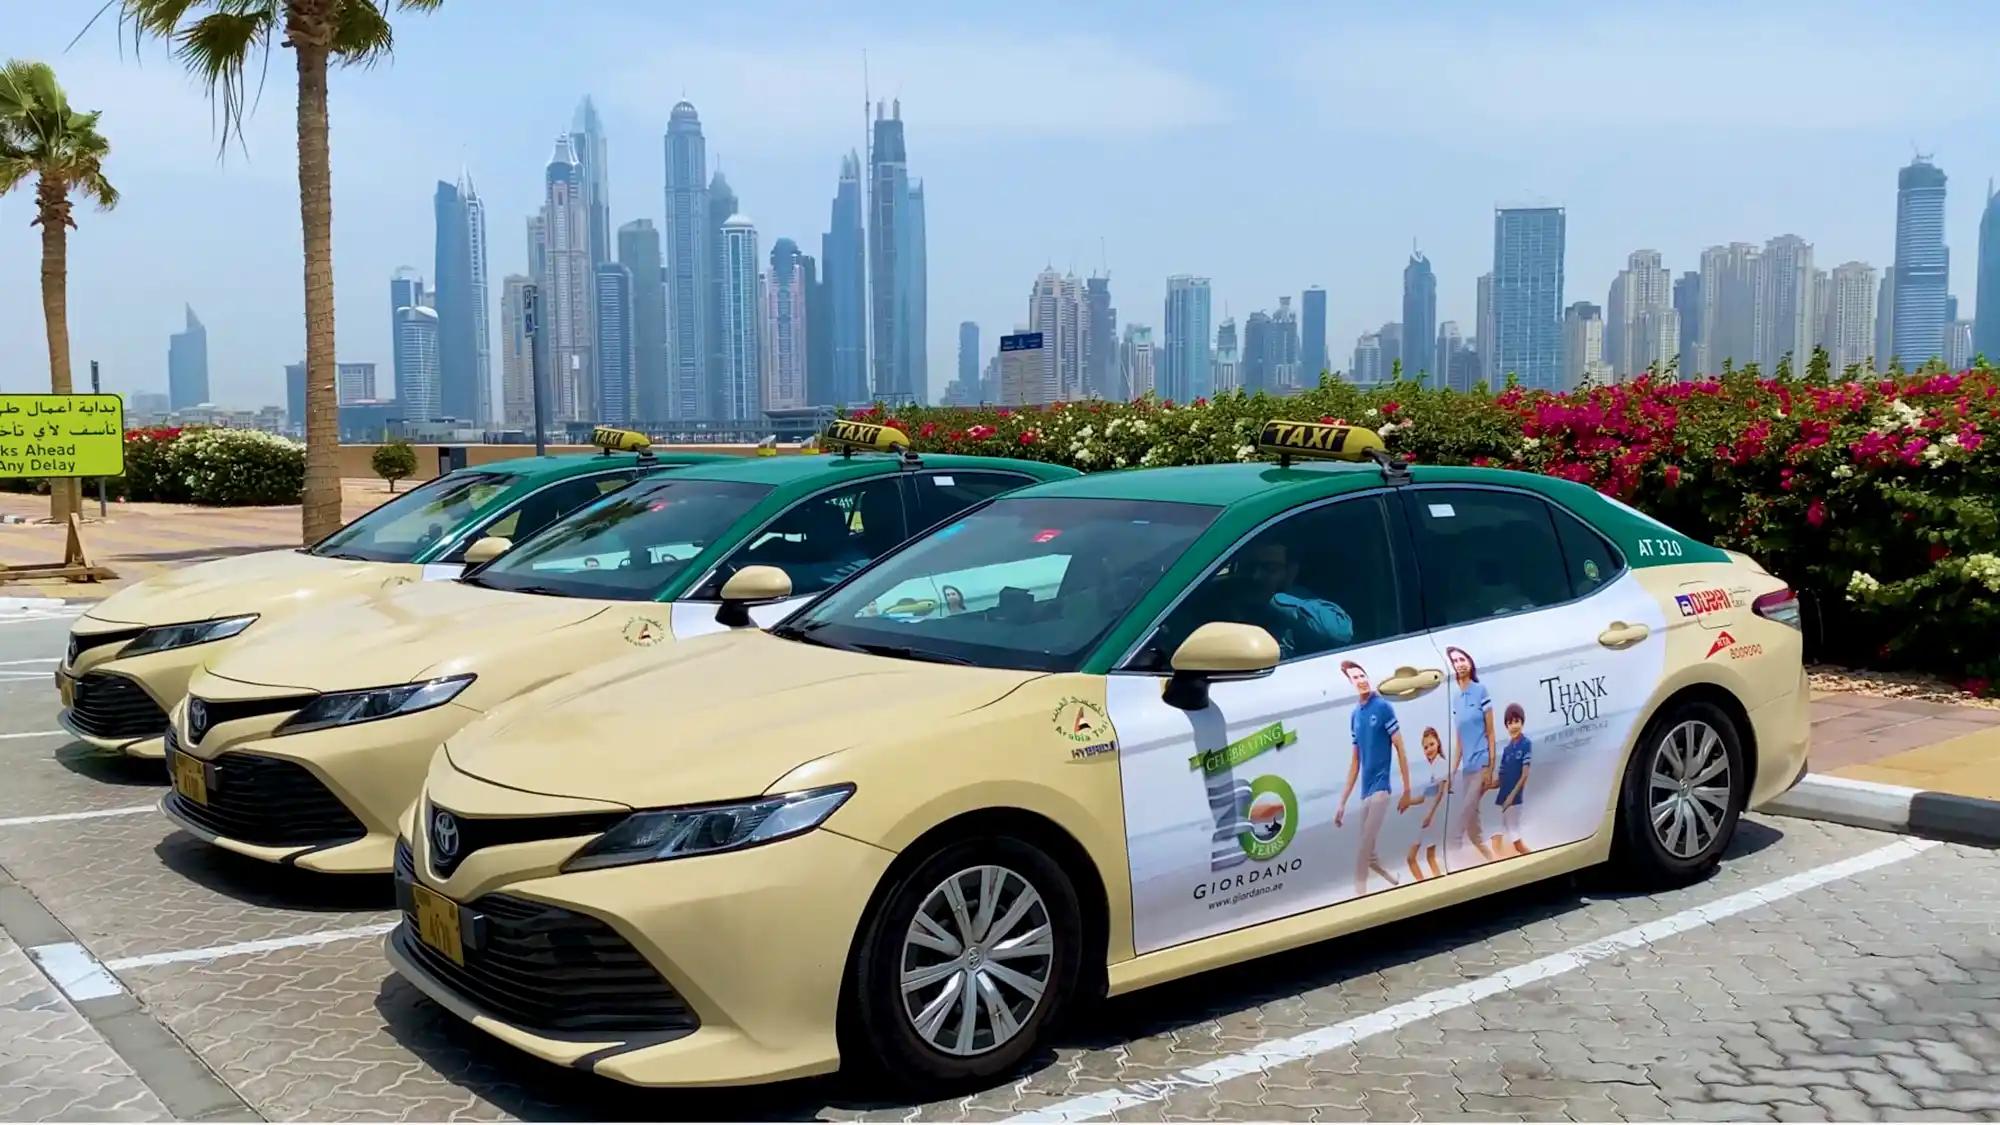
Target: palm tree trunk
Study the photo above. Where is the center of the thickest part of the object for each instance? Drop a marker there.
(320, 514)
(52, 209)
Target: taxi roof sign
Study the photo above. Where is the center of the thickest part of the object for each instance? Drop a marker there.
(843, 436)
(1328, 441)
(612, 440)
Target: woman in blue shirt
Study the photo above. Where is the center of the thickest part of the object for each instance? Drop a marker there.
(1514, 778)
(1472, 751)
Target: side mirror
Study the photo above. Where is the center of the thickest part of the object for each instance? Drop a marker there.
(753, 585)
(487, 549)
(1218, 651)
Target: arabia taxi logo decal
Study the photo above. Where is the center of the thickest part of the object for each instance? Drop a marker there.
(644, 632)
(1085, 727)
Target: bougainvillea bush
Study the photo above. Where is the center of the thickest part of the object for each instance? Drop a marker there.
(1878, 497)
(168, 464)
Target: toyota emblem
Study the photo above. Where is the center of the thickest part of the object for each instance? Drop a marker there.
(444, 835)
(197, 719)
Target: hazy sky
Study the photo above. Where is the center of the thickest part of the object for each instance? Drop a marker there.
(1268, 146)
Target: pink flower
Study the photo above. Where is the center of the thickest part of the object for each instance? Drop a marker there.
(1028, 437)
(1816, 512)
(1672, 473)
(1939, 552)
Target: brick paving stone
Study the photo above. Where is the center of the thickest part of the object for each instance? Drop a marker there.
(53, 1065)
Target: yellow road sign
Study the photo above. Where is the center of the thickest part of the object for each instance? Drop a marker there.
(62, 435)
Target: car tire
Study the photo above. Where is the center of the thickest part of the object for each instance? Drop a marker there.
(1670, 834)
(905, 1034)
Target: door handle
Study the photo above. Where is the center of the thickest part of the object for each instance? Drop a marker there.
(1620, 635)
(1410, 681)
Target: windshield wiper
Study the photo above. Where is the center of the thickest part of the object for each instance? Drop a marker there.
(906, 652)
(546, 591)
(347, 555)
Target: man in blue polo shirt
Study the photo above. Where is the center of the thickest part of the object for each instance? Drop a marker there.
(1376, 733)
(1301, 624)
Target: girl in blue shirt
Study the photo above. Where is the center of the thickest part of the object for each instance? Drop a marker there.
(1514, 778)
(1473, 746)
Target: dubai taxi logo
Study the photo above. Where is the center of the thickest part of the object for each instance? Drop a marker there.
(1084, 726)
(1254, 821)
(1703, 602)
(644, 632)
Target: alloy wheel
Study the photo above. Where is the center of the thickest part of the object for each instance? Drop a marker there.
(976, 960)
(1688, 796)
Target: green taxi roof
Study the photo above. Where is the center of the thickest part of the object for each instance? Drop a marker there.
(819, 469)
(555, 466)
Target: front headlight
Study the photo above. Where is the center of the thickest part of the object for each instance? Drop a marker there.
(163, 637)
(341, 708)
(706, 829)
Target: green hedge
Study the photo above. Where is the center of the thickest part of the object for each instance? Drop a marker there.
(1877, 496)
(225, 468)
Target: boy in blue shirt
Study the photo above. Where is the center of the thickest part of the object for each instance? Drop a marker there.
(1513, 781)
(1376, 733)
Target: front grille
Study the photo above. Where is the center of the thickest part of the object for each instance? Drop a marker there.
(475, 833)
(266, 801)
(108, 706)
(80, 643)
(543, 968)
(205, 715)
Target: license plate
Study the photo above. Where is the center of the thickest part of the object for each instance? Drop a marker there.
(437, 922)
(67, 688)
(190, 779)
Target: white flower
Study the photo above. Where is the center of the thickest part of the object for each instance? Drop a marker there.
(1861, 585)
(1531, 443)
(1950, 440)
(1932, 455)
(1984, 569)
(1842, 472)
(1388, 428)
(1374, 413)
(1246, 453)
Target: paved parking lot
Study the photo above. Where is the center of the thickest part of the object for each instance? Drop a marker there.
(1825, 973)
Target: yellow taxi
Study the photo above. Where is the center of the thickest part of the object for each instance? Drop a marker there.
(130, 656)
(1089, 736)
(304, 743)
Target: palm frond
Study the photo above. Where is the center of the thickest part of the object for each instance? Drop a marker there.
(216, 49)
(157, 18)
(43, 137)
(361, 33)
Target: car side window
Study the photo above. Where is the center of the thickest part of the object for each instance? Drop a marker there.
(1484, 553)
(941, 495)
(1591, 561)
(543, 507)
(822, 539)
(1320, 580)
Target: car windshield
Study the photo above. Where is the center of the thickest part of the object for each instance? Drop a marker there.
(627, 546)
(412, 523)
(1028, 582)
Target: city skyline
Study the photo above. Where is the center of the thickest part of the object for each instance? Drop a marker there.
(1350, 238)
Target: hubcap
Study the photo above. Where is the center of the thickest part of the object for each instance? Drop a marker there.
(1689, 794)
(976, 960)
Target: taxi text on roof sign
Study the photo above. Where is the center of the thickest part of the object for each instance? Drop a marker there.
(1317, 439)
(845, 436)
(62, 436)
(619, 441)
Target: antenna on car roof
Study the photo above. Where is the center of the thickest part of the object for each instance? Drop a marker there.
(1395, 470)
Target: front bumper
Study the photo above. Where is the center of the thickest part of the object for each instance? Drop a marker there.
(371, 771)
(755, 943)
(1783, 729)
(139, 694)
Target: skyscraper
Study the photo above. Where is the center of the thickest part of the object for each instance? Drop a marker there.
(406, 287)
(819, 332)
(1923, 264)
(722, 207)
(1687, 305)
(1420, 315)
(1732, 313)
(1312, 336)
(1100, 340)
(965, 389)
(614, 344)
(1450, 341)
(1285, 348)
(895, 263)
(464, 350)
(916, 322)
(1135, 356)
(1583, 345)
(843, 261)
(1254, 372)
(1022, 367)
(1528, 294)
(417, 362)
(1185, 375)
(1785, 292)
(1633, 316)
(1484, 316)
(1228, 362)
(639, 252)
(353, 382)
(1056, 309)
(742, 392)
(406, 291)
(566, 314)
(517, 388)
(1885, 319)
(785, 326)
(1368, 368)
(1986, 306)
(594, 156)
(187, 363)
(689, 264)
(1390, 338)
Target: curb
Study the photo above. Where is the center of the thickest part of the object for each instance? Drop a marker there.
(12, 604)
(1891, 808)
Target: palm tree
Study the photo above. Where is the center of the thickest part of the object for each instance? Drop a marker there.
(215, 40)
(41, 136)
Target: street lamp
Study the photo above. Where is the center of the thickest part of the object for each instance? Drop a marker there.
(531, 301)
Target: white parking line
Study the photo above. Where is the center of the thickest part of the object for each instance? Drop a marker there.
(215, 952)
(35, 734)
(75, 971)
(1296, 1048)
(128, 810)
(33, 660)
